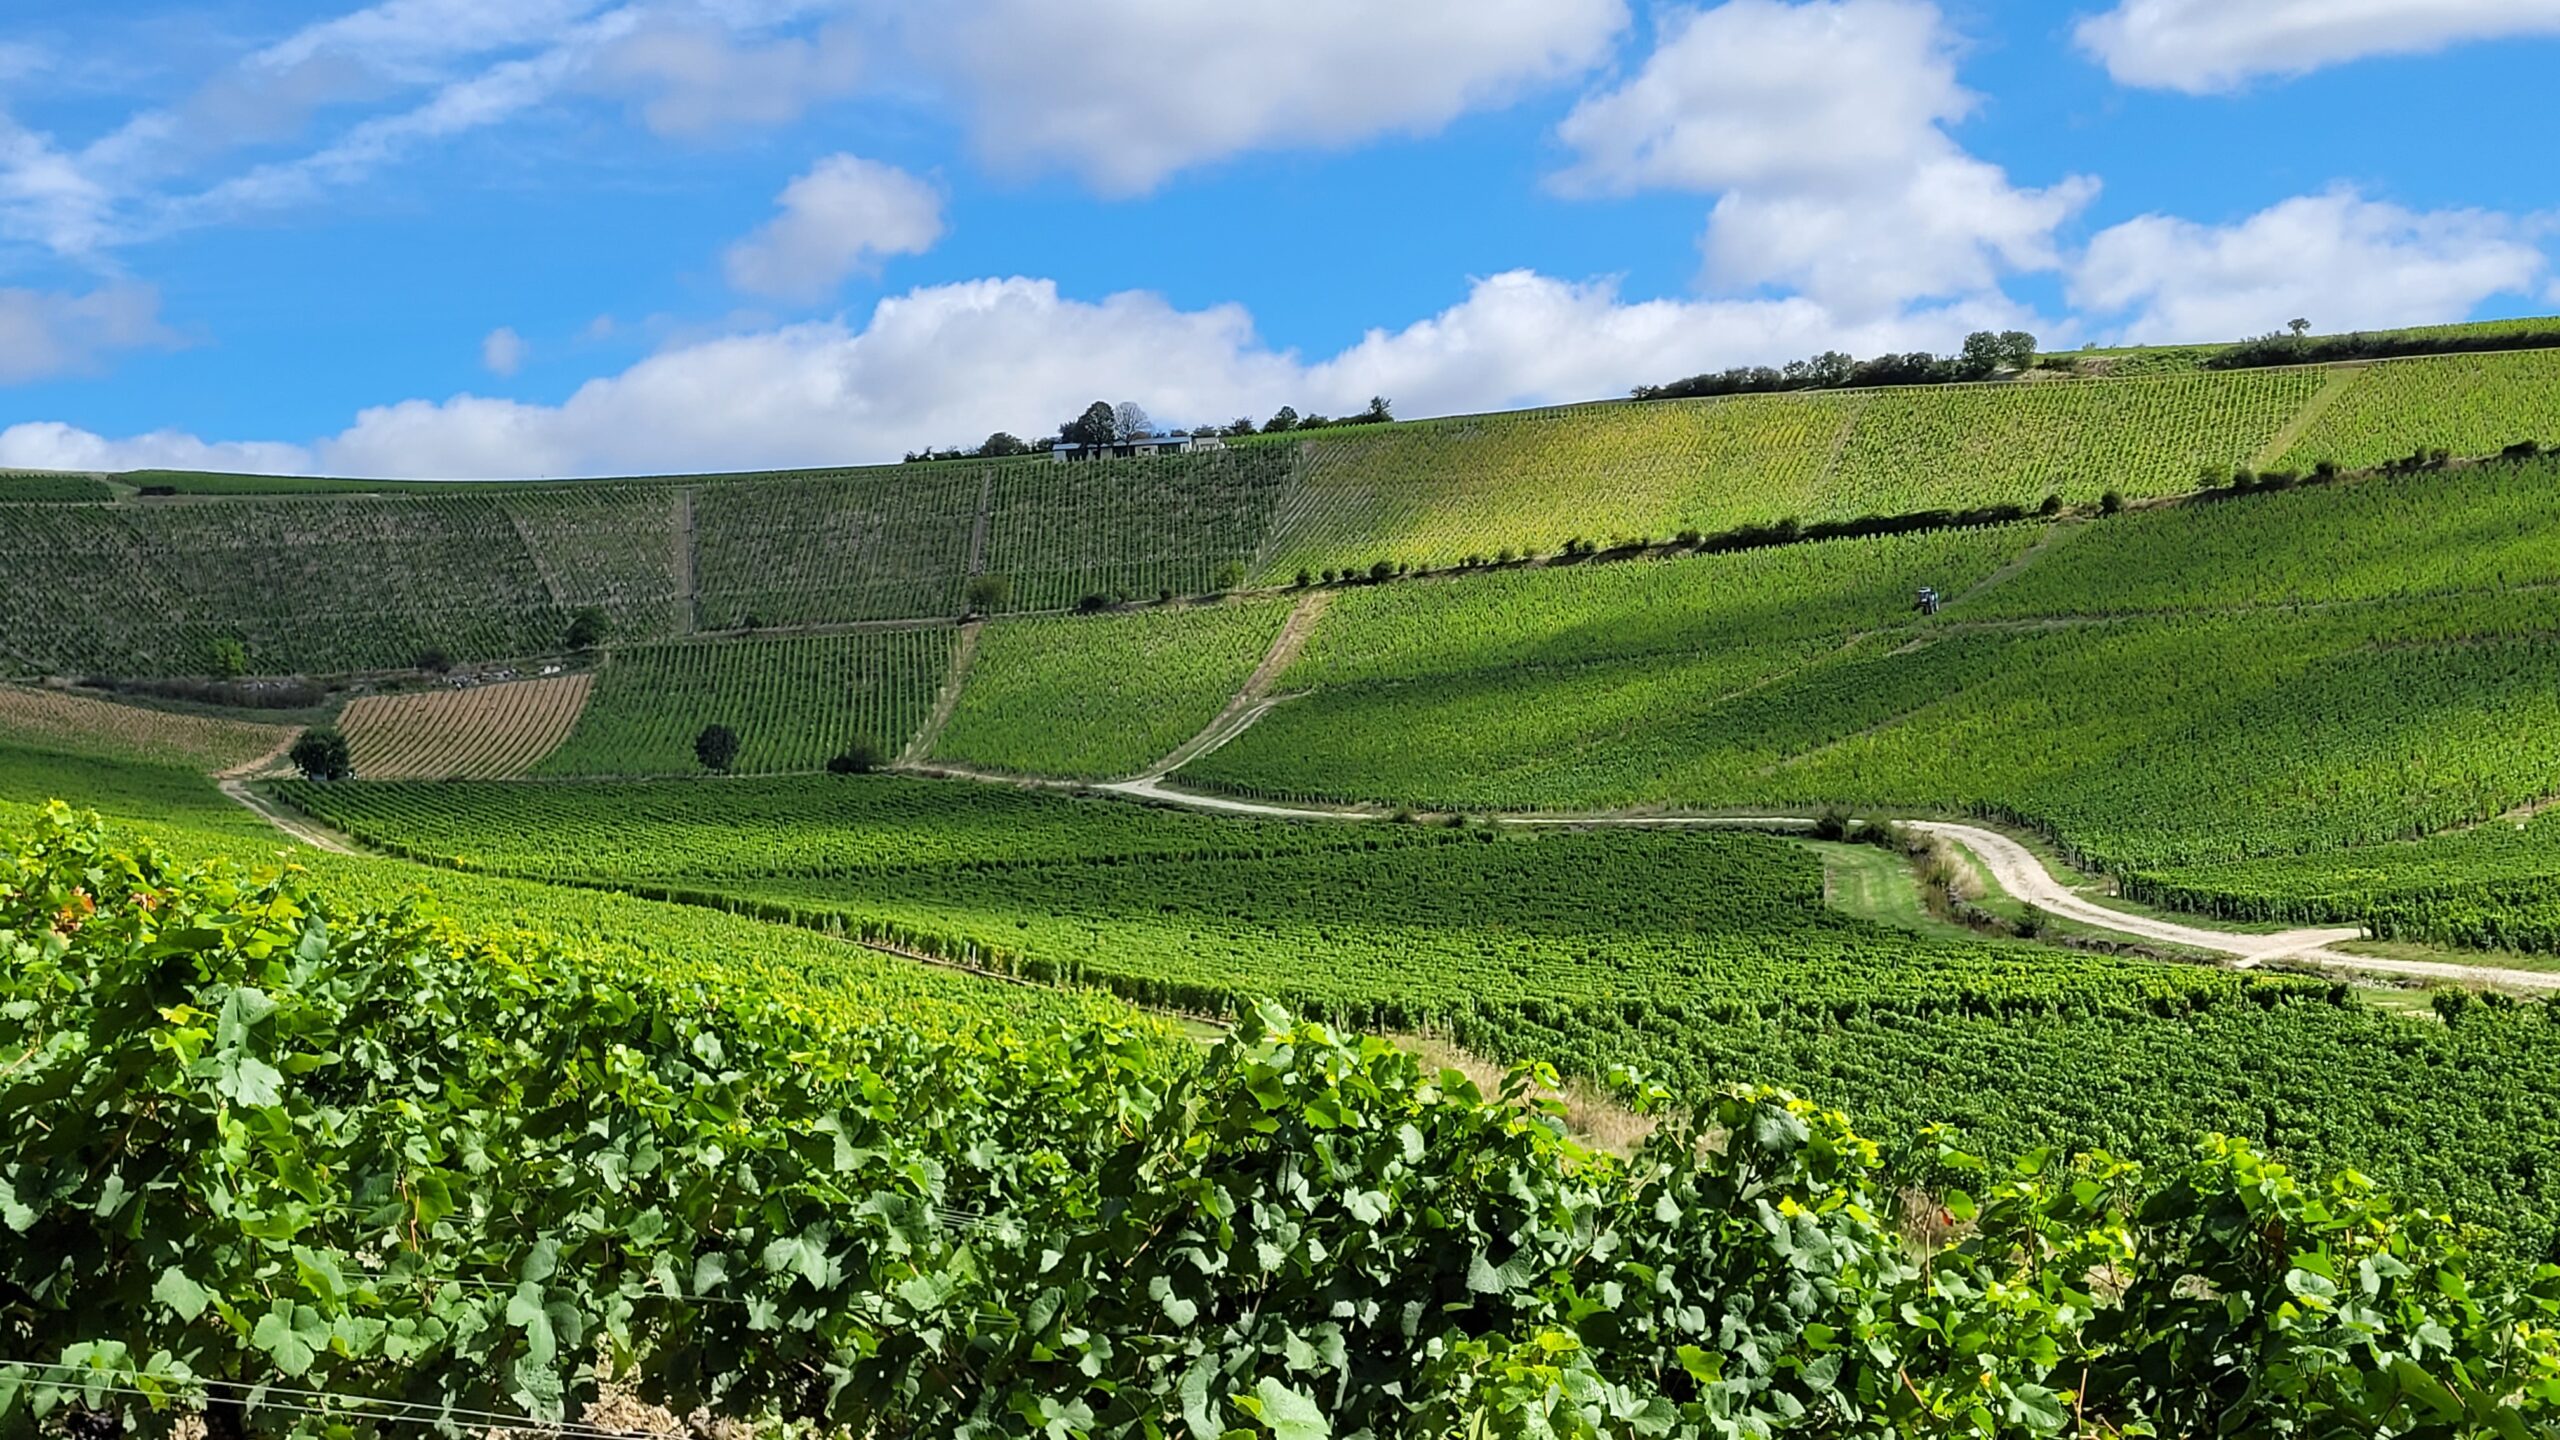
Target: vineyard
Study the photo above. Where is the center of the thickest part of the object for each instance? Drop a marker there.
(922, 1182)
(2465, 404)
(77, 724)
(1093, 698)
(333, 575)
(794, 702)
(785, 828)
(483, 733)
(1704, 958)
(52, 489)
(1437, 493)
(884, 546)
(2390, 538)
(1131, 529)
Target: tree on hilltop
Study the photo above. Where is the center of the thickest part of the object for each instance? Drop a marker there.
(1129, 422)
(1098, 425)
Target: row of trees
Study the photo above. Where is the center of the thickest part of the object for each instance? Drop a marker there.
(2296, 345)
(1984, 355)
(1103, 423)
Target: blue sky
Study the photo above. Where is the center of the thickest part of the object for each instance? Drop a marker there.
(497, 237)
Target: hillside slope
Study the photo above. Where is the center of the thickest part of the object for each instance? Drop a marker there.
(325, 578)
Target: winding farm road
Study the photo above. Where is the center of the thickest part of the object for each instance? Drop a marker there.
(2013, 867)
(239, 791)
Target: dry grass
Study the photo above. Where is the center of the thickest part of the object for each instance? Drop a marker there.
(78, 724)
(491, 732)
(1591, 1113)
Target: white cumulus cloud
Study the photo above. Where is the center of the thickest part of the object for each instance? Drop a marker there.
(1822, 129)
(950, 364)
(2201, 46)
(695, 76)
(51, 445)
(1125, 93)
(2339, 260)
(502, 352)
(46, 333)
(845, 214)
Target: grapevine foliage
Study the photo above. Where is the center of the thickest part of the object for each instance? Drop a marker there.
(254, 1141)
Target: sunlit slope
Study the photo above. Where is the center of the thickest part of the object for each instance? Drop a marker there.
(346, 576)
(2269, 675)
(1434, 494)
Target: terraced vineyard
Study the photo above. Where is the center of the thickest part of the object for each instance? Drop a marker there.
(484, 733)
(2467, 404)
(1095, 699)
(51, 719)
(795, 702)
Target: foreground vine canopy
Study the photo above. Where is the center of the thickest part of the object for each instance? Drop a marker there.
(328, 1169)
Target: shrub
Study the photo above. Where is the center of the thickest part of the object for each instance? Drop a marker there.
(320, 753)
(2450, 1005)
(2214, 477)
(434, 660)
(1230, 576)
(2031, 923)
(1832, 824)
(1094, 602)
(716, 747)
(230, 657)
(1164, 595)
(2051, 507)
(2325, 470)
(988, 593)
(1305, 580)
(2111, 503)
(1382, 572)
(587, 628)
(860, 758)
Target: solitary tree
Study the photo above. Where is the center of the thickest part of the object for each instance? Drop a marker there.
(1381, 410)
(587, 628)
(2298, 327)
(321, 754)
(716, 747)
(1130, 422)
(1286, 418)
(230, 657)
(1241, 425)
(1001, 444)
